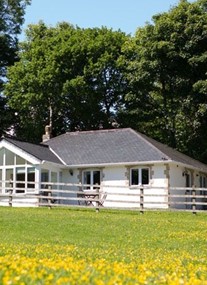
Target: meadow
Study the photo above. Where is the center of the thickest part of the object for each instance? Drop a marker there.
(78, 246)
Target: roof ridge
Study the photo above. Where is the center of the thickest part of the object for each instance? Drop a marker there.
(73, 133)
(95, 131)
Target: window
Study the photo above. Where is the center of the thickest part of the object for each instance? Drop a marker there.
(20, 160)
(54, 179)
(139, 176)
(9, 157)
(9, 179)
(20, 180)
(45, 175)
(1, 157)
(188, 180)
(31, 177)
(203, 181)
(44, 178)
(90, 178)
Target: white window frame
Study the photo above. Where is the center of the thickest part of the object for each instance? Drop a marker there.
(139, 170)
(91, 171)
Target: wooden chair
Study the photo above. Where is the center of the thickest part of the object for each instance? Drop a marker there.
(102, 199)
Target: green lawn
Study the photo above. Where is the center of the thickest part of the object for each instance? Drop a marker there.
(151, 240)
(86, 228)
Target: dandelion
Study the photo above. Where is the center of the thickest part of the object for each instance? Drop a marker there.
(61, 265)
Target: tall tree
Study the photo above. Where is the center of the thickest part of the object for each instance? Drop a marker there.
(11, 20)
(167, 76)
(73, 72)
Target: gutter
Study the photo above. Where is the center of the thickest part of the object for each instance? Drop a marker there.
(117, 164)
(97, 165)
(133, 164)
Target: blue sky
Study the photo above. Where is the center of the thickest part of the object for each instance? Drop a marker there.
(126, 15)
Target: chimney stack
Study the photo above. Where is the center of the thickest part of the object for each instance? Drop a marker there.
(47, 136)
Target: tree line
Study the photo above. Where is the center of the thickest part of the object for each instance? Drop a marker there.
(84, 79)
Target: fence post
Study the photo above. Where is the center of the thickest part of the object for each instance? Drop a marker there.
(10, 197)
(97, 197)
(49, 196)
(141, 200)
(193, 199)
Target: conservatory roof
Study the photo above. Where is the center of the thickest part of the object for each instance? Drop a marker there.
(39, 151)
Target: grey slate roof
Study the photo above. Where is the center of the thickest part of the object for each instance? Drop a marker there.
(41, 152)
(114, 146)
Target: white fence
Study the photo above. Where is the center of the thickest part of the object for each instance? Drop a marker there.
(112, 197)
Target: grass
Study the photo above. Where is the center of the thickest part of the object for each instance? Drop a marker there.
(155, 248)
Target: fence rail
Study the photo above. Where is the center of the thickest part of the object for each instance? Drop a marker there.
(139, 198)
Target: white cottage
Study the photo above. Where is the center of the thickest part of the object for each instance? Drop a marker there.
(119, 160)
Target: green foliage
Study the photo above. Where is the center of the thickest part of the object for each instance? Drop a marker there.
(154, 82)
(11, 20)
(75, 72)
(168, 75)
